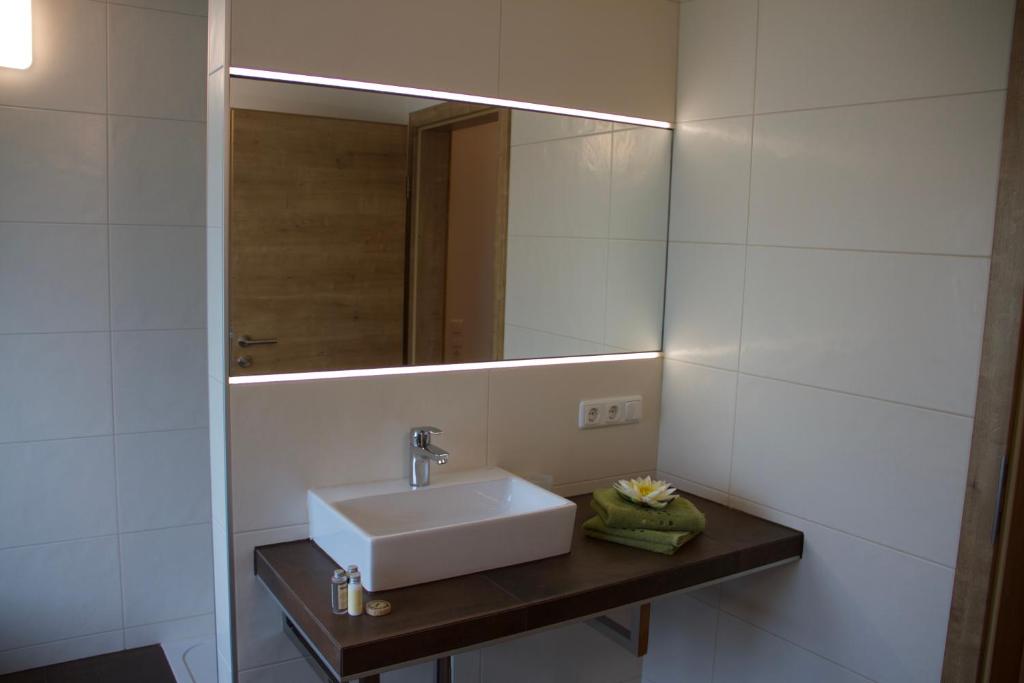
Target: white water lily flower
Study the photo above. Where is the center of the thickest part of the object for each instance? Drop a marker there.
(654, 494)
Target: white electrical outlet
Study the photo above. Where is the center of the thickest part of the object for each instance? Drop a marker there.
(610, 412)
(591, 414)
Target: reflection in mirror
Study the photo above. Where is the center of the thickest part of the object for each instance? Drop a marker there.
(371, 230)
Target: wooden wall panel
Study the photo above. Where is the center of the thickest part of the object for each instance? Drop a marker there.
(317, 241)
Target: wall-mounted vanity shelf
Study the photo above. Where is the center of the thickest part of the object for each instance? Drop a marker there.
(434, 620)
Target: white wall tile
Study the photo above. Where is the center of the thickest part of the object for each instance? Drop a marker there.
(711, 180)
(225, 669)
(259, 638)
(522, 342)
(56, 490)
(890, 628)
(682, 640)
(534, 126)
(561, 188)
(895, 326)
(157, 63)
(218, 450)
(292, 671)
(60, 651)
(55, 386)
(159, 380)
(635, 295)
(887, 472)
(168, 574)
(717, 40)
(902, 176)
(68, 59)
(696, 434)
(343, 431)
(216, 148)
(163, 479)
(812, 54)
(157, 171)
(745, 654)
(157, 277)
(216, 34)
(200, 627)
(222, 586)
(557, 285)
(704, 302)
(689, 486)
(547, 400)
(197, 7)
(53, 278)
(641, 161)
(216, 305)
(63, 590)
(570, 653)
(53, 166)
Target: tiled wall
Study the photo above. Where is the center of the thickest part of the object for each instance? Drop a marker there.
(289, 437)
(104, 496)
(599, 55)
(588, 215)
(833, 197)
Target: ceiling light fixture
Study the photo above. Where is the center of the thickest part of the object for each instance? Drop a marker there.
(16, 34)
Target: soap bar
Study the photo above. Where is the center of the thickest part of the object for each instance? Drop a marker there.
(378, 608)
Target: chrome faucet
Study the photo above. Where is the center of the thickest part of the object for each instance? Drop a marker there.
(422, 453)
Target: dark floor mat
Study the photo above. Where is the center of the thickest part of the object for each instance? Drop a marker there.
(141, 665)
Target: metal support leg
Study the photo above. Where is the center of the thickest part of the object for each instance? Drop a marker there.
(634, 639)
(443, 670)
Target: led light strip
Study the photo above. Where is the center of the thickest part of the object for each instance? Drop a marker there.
(261, 74)
(420, 369)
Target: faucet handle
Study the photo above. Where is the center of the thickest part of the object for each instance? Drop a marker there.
(420, 436)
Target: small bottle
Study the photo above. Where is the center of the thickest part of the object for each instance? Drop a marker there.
(355, 591)
(339, 592)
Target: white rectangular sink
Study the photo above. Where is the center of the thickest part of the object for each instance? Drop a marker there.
(462, 523)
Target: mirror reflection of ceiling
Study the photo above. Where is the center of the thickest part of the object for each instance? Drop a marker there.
(371, 230)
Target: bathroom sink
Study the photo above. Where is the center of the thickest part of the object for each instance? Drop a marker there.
(462, 523)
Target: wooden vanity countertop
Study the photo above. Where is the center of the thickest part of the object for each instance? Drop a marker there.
(436, 618)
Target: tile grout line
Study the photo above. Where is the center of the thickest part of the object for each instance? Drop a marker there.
(855, 250)
(151, 9)
(817, 523)
(98, 224)
(105, 435)
(608, 236)
(105, 114)
(114, 534)
(796, 645)
(869, 103)
(110, 329)
(102, 633)
(746, 255)
(941, 411)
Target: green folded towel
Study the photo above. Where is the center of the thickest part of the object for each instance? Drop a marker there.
(618, 513)
(664, 542)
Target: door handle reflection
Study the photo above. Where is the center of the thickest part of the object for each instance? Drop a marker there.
(245, 341)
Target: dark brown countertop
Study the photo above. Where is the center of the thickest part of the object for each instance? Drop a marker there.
(435, 618)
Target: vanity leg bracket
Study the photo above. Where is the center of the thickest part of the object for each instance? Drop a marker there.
(634, 639)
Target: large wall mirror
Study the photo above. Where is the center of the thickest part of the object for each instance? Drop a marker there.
(371, 230)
